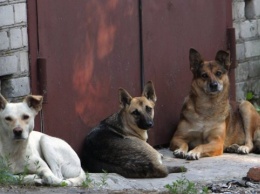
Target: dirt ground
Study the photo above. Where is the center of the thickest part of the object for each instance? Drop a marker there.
(222, 174)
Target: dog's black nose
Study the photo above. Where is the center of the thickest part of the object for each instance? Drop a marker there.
(213, 86)
(17, 132)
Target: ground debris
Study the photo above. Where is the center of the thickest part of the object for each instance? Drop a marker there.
(244, 186)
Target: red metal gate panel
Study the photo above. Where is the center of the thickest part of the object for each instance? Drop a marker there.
(91, 49)
(170, 29)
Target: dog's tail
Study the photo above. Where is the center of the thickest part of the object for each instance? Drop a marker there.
(76, 181)
(176, 169)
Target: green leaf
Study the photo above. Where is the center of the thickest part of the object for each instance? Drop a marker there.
(249, 96)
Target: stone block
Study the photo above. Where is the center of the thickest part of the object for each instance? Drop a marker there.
(8, 65)
(238, 10)
(15, 87)
(242, 72)
(25, 36)
(4, 40)
(241, 90)
(248, 29)
(240, 48)
(16, 38)
(252, 48)
(6, 15)
(254, 69)
(24, 62)
(252, 9)
(20, 12)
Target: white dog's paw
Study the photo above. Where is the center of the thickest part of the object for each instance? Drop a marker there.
(243, 150)
(193, 155)
(51, 180)
(179, 153)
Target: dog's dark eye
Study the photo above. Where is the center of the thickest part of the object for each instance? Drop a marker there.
(219, 73)
(8, 118)
(148, 109)
(204, 75)
(136, 113)
(25, 117)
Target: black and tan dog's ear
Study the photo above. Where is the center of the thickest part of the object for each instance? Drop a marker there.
(34, 101)
(124, 97)
(223, 58)
(195, 60)
(3, 102)
(149, 91)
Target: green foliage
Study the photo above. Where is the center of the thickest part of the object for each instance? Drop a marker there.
(6, 177)
(184, 186)
(90, 183)
(250, 96)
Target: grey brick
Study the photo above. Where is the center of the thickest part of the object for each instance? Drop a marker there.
(16, 38)
(8, 65)
(24, 62)
(240, 48)
(254, 69)
(20, 12)
(252, 48)
(240, 91)
(248, 29)
(238, 10)
(6, 15)
(4, 40)
(242, 72)
(252, 9)
(15, 87)
(25, 36)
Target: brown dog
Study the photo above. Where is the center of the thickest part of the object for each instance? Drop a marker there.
(118, 144)
(208, 123)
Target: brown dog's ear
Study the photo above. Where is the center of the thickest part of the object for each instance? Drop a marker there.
(223, 58)
(34, 102)
(149, 91)
(195, 60)
(124, 97)
(3, 102)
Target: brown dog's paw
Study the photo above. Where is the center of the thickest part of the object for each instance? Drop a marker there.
(243, 150)
(193, 155)
(232, 149)
(179, 153)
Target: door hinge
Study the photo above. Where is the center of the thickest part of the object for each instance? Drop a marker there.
(231, 45)
(42, 78)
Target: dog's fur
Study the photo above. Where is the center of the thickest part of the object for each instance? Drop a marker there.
(208, 123)
(118, 144)
(47, 159)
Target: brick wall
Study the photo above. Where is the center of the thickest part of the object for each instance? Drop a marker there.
(14, 64)
(246, 20)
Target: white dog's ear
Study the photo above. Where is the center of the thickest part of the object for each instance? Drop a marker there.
(34, 101)
(3, 102)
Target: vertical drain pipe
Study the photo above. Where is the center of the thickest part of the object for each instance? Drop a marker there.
(141, 43)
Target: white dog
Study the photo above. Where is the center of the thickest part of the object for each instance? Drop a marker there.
(47, 159)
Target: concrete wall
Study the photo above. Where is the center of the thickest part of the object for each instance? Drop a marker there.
(246, 20)
(14, 65)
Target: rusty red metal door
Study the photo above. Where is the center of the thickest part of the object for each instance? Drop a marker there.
(170, 28)
(93, 47)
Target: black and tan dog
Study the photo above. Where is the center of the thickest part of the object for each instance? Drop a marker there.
(208, 123)
(118, 143)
